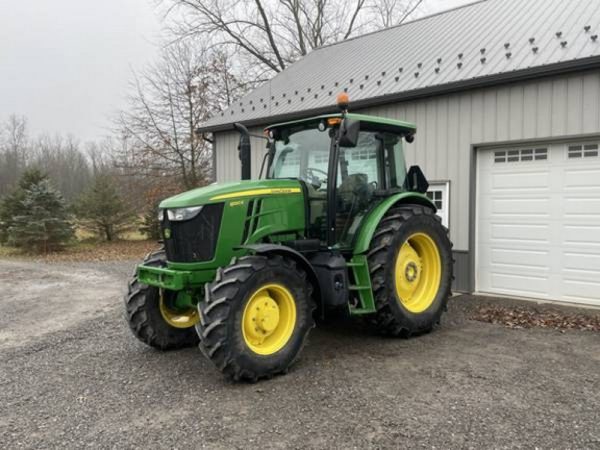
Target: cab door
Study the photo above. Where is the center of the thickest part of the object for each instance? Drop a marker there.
(360, 174)
(365, 175)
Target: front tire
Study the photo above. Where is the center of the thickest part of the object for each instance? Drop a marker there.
(255, 317)
(150, 317)
(410, 261)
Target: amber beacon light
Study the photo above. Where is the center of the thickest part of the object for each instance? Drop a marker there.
(343, 100)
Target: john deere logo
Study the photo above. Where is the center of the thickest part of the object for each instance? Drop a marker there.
(237, 203)
(167, 233)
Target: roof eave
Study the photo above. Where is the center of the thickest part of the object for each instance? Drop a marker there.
(592, 62)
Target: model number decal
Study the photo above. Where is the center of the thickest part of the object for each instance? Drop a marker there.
(257, 192)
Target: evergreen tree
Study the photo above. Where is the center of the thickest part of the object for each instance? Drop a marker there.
(11, 204)
(102, 210)
(36, 215)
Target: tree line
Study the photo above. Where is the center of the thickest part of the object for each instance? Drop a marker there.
(52, 185)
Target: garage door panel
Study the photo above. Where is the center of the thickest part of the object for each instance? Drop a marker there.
(511, 206)
(579, 207)
(582, 234)
(524, 232)
(513, 284)
(584, 291)
(532, 259)
(538, 227)
(582, 261)
(511, 181)
(582, 179)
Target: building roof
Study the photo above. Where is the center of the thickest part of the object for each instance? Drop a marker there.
(486, 42)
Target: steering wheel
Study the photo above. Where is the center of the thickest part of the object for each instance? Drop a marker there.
(314, 180)
(314, 169)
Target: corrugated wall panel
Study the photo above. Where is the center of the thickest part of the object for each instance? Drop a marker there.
(530, 92)
(515, 115)
(591, 99)
(559, 107)
(543, 110)
(575, 105)
(448, 125)
(502, 114)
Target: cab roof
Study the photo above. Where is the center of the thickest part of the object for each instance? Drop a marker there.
(382, 123)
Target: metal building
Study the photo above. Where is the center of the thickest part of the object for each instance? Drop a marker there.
(506, 98)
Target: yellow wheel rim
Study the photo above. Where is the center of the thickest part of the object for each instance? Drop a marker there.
(269, 319)
(184, 318)
(418, 272)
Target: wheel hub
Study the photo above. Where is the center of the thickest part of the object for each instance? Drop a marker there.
(417, 272)
(269, 319)
(263, 317)
(411, 272)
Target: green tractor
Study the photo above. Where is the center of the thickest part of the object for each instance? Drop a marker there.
(337, 222)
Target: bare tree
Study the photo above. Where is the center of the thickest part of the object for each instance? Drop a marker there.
(63, 160)
(14, 145)
(389, 13)
(60, 157)
(275, 33)
(167, 104)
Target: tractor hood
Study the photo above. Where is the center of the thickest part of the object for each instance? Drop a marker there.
(219, 192)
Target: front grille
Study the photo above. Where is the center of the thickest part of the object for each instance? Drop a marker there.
(194, 240)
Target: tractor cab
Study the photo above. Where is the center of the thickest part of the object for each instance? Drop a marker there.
(347, 164)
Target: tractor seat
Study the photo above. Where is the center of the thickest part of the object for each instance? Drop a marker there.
(355, 187)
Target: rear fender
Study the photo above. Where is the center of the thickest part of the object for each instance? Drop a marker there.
(371, 221)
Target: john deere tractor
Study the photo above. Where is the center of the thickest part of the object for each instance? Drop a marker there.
(336, 222)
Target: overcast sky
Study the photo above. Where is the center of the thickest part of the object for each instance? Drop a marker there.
(65, 64)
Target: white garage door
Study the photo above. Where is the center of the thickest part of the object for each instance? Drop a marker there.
(538, 225)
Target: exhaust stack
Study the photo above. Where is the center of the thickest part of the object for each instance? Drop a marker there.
(244, 150)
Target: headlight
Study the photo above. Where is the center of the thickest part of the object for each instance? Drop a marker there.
(181, 214)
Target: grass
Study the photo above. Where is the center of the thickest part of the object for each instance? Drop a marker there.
(8, 252)
(131, 234)
(88, 249)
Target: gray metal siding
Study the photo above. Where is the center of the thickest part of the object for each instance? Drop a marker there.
(448, 125)
(228, 163)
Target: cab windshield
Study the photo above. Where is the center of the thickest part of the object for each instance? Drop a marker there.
(302, 153)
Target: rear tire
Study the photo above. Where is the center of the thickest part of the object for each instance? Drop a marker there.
(142, 307)
(231, 303)
(418, 233)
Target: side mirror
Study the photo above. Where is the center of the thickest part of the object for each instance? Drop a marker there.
(349, 130)
(415, 180)
(244, 150)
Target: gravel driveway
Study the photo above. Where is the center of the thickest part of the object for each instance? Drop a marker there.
(71, 376)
